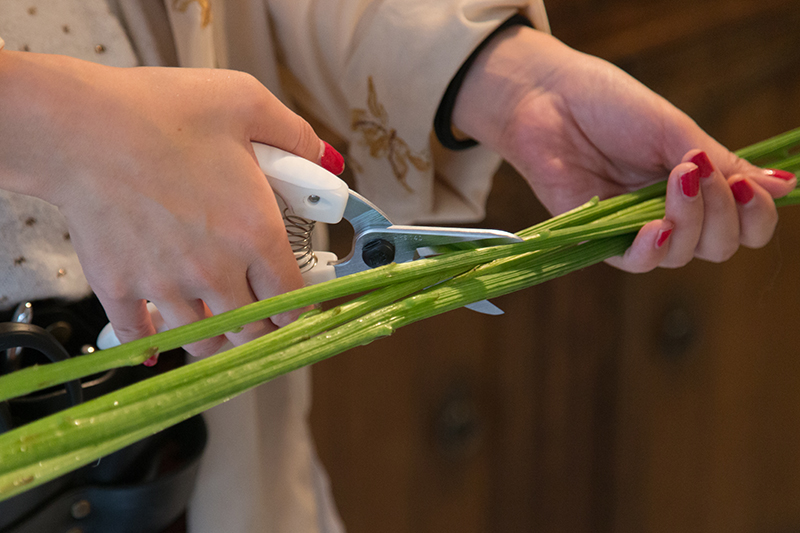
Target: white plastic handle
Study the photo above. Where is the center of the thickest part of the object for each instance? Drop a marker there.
(308, 189)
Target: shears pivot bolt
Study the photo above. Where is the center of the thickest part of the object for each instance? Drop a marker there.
(378, 253)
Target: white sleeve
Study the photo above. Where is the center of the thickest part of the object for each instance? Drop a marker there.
(375, 72)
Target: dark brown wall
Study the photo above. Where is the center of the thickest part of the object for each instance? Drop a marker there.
(601, 401)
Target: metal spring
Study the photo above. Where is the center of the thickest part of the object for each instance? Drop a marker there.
(299, 231)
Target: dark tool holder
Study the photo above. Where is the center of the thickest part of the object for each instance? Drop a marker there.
(142, 488)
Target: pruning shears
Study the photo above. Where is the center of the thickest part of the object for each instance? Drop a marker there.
(311, 194)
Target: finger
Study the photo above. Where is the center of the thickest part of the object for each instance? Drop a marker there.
(648, 250)
(179, 313)
(684, 207)
(777, 183)
(274, 269)
(758, 215)
(233, 298)
(719, 239)
(277, 125)
(130, 319)
(267, 280)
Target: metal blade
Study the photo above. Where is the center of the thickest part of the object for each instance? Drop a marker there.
(486, 307)
(379, 246)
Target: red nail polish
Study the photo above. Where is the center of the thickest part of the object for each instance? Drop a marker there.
(742, 191)
(782, 174)
(663, 235)
(332, 161)
(152, 361)
(703, 163)
(690, 183)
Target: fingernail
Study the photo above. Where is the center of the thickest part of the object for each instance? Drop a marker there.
(782, 174)
(332, 161)
(703, 163)
(690, 182)
(742, 191)
(152, 361)
(663, 235)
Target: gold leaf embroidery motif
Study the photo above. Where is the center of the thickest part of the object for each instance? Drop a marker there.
(383, 140)
(205, 9)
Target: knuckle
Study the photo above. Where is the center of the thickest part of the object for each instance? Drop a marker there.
(160, 288)
(722, 253)
(248, 85)
(678, 262)
(134, 329)
(205, 348)
(250, 332)
(755, 242)
(306, 142)
(729, 251)
(131, 332)
(252, 237)
(203, 274)
(253, 96)
(118, 288)
(759, 239)
(284, 319)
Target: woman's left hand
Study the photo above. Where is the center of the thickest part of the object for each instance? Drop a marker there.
(576, 126)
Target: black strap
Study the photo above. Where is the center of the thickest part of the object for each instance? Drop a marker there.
(17, 335)
(442, 122)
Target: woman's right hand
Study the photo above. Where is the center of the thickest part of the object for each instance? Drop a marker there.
(154, 171)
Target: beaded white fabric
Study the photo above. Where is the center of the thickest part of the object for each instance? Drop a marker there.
(37, 260)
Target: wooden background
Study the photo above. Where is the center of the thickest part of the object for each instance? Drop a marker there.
(601, 401)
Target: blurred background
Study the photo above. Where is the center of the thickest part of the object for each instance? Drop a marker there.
(601, 401)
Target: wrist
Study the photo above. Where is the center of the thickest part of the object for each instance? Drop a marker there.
(443, 121)
(515, 65)
(30, 109)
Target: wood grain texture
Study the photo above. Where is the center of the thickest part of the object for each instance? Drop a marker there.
(601, 401)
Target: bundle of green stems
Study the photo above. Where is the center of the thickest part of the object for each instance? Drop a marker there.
(390, 297)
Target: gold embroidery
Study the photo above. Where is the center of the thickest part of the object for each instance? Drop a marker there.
(205, 9)
(383, 141)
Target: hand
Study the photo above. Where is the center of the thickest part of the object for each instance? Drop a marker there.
(154, 171)
(575, 126)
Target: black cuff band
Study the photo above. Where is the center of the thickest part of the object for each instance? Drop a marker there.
(442, 122)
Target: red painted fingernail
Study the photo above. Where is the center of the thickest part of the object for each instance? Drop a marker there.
(742, 191)
(782, 174)
(663, 235)
(152, 361)
(332, 161)
(703, 163)
(690, 182)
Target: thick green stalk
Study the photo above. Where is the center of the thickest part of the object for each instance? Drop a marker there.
(36, 378)
(51, 446)
(37, 452)
(165, 399)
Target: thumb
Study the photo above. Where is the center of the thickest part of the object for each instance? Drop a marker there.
(277, 125)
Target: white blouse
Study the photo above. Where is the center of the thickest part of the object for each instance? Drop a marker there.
(374, 72)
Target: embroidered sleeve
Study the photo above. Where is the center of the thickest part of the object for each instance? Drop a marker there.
(375, 72)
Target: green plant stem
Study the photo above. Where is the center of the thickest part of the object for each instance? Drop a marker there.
(166, 398)
(36, 453)
(401, 294)
(36, 378)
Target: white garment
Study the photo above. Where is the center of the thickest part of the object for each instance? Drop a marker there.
(373, 71)
(37, 260)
